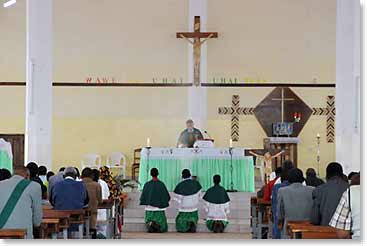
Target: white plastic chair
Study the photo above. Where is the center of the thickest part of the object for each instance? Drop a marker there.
(91, 160)
(117, 160)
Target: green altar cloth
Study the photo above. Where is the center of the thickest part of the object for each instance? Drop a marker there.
(204, 168)
(6, 161)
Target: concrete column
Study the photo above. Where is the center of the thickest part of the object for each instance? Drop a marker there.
(38, 139)
(197, 96)
(348, 84)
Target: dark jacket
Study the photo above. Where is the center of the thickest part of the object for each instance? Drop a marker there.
(314, 181)
(69, 195)
(326, 198)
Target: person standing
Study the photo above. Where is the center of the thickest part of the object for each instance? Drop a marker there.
(95, 197)
(189, 136)
(294, 201)
(326, 197)
(312, 179)
(20, 202)
(187, 194)
(217, 206)
(155, 198)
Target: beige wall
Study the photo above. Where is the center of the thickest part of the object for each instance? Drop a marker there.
(277, 40)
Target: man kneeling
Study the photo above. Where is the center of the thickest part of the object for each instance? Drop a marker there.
(217, 207)
(187, 197)
(155, 197)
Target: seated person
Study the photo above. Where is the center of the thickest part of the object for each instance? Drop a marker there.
(346, 218)
(354, 178)
(55, 178)
(155, 198)
(326, 197)
(270, 184)
(294, 201)
(33, 175)
(217, 206)
(312, 179)
(26, 211)
(42, 172)
(4, 174)
(48, 176)
(95, 197)
(189, 136)
(187, 197)
(68, 194)
(286, 167)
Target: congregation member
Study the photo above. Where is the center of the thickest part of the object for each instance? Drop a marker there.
(287, 165)
(69, 194)
(326, 197)
(33, 175)
(312, 179)
(78, 178)
(294, 202)
(20, 202)
(48, 176)
(353, 178)
(269, 186)
(155, 198)
(346, 218)
(4, 174)
(216, 202)
(102, 213)
(55, 179)
(95, 197)
(186, 195)
(42, 172)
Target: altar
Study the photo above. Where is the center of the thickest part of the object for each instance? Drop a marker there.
(202, 162)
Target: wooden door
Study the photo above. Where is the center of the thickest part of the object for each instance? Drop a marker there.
(17, 145)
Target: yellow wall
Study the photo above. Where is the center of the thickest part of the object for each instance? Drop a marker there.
(278, 40)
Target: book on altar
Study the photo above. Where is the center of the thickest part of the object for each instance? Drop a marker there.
(204, 143)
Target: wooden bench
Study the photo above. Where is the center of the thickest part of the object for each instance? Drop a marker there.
(13, 233)
(108, 205)
(49, 226)
(305, 230)
(263, 217)
(64, 219)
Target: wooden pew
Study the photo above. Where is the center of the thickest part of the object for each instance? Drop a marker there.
(263, 217)
(77, 217)
(64, 219)
(49, 226)
(13, 233)
(305, 230)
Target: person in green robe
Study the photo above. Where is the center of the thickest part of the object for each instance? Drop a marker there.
(217, 206)
(186, 195)
(155, 198)
(189, 136)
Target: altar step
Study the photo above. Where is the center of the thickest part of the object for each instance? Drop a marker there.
(239, 216)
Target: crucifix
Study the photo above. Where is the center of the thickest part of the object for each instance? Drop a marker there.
(196, 42)
(282, 99)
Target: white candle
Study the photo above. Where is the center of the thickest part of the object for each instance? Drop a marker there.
(148, 142)
(230, 143)
(318, 135)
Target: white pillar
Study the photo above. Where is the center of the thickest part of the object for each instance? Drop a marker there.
(38, 144)
(348, 134)
(197, 96)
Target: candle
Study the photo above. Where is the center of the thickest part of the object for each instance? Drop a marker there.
(148, 142)
(230, 143)
(318, 135)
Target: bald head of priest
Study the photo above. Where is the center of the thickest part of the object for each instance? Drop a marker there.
(189, 136)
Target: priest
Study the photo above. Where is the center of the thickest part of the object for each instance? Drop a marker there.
(155, 198)
(217, 206)
(189, 136)
(186, 195)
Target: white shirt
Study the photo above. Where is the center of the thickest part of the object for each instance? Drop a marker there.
(216, 211)
(187, 203)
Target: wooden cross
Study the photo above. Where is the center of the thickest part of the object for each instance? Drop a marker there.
(329, 112)
(196, 36)
(282, 99)
(235, 111)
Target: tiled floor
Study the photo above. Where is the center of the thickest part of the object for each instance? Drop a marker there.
(188, 236)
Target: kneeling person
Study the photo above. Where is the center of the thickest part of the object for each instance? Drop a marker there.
(217, 206)
(187, 197)
(155, 197)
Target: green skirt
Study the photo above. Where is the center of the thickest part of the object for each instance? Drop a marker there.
(184, 219)
(209, 224)
(158, 217)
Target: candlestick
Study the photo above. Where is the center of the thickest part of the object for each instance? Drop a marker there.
(230, 143)
(148, 142)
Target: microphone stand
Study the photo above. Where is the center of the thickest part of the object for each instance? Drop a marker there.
(231, 168)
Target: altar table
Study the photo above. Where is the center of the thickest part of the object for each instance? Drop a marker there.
(203, 163)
